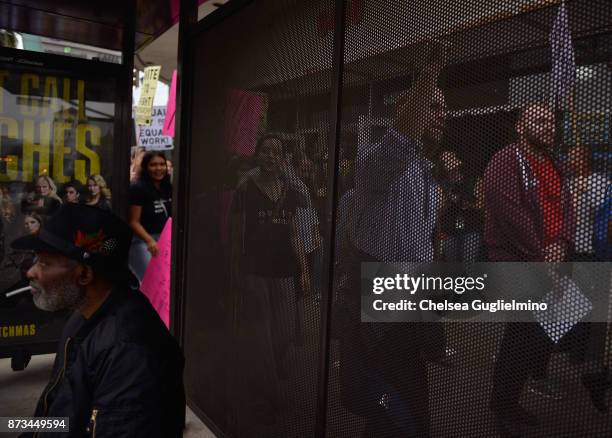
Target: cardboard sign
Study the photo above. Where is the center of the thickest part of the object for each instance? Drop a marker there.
(562, 315)
(147, 94)
(156, 281)
(151, 137)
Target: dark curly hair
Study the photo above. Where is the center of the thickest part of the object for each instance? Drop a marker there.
(165, 184)
(267, 137)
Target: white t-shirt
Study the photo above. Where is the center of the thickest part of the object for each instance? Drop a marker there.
(306, 221)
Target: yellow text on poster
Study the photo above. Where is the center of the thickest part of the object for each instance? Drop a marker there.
(44, 128)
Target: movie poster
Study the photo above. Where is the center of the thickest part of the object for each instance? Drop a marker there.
(56, 145)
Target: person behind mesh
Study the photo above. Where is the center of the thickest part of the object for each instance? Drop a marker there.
(392, 217)
(588, 189)
(588, 340)
(528, 218)
(461, 214)
(268, 265)
(308, 219)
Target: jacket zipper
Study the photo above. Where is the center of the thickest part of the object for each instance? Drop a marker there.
(60, 376)
(91, 429)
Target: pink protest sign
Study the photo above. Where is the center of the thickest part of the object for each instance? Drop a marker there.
(156, 281)
(243, 117)
(168, 128)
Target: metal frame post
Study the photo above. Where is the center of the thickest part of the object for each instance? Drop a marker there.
(335, 111)
(123, 115)
(182, 157)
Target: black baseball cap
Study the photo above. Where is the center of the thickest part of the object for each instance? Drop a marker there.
(88, 234)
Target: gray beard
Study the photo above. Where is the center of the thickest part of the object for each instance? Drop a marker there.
(64, 295)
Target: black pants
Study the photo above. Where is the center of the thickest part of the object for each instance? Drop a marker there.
(525, 352)
(383, 374)
(587, 340)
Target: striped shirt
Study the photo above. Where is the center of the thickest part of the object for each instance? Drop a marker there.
(394, 203)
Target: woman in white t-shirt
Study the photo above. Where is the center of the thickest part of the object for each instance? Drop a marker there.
(307, 218)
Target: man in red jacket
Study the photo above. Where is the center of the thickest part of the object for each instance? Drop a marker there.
(527, 219)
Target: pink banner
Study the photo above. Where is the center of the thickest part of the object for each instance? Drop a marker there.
(156, 281)
(168, 128)
(243, 116)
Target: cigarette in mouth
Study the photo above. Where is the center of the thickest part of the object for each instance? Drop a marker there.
(18, 291)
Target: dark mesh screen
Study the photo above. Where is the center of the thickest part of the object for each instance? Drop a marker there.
(252, 337)
(470, 131)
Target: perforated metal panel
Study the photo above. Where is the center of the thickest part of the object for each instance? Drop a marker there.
(252, 337)
(468, 131)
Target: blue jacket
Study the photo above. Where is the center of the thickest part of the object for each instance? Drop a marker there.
(603, 249)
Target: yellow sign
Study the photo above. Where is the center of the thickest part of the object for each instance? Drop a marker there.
(147, 95)
(14, 331)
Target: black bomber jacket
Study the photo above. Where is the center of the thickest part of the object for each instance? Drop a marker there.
(118, 374)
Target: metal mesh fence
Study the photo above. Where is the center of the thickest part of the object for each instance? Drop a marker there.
(259, 139)
(470, 131)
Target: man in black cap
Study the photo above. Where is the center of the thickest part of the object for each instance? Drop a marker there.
(118, 371)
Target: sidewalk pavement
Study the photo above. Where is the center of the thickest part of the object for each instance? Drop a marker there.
(21, 389)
